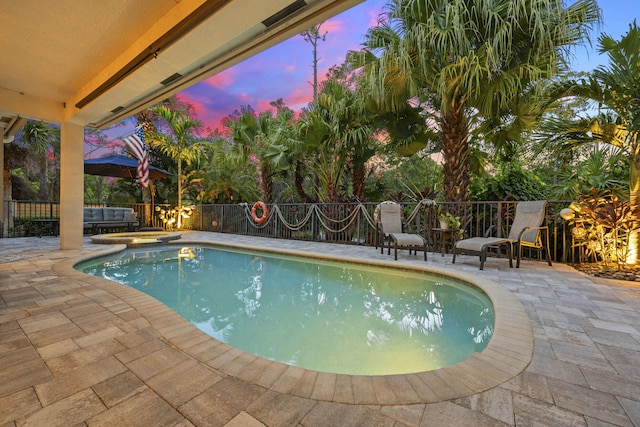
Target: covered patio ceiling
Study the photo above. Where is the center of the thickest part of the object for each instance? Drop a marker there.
(93, 63)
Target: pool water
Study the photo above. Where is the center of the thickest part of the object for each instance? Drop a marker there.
(322, 315)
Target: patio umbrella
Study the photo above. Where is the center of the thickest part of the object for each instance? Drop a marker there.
(120, 167)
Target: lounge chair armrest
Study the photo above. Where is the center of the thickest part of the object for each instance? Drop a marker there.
(524, 230)
(540, 242)
(488, 231)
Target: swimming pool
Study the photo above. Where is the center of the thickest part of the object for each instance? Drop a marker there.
(341, 318)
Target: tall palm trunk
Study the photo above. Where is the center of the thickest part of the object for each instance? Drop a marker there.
(357, 180)
(633, 255)
(43, 192)
(6, 171)
(298, 181)
(265, 182)
(455, 151)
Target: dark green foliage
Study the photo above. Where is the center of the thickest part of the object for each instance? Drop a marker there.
(408, 179)
(602, 170)
(24, 226)
(511, 182)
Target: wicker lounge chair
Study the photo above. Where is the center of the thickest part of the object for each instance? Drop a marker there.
(390, 231)
(526, 231)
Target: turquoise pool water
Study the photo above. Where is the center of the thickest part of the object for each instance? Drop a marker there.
(321, 315)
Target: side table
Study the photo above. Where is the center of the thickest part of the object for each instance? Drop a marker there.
(446, 236)
(49, 225)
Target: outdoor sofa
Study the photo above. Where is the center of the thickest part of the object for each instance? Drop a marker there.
(96, 220)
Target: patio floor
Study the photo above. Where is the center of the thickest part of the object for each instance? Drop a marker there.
(74, 351)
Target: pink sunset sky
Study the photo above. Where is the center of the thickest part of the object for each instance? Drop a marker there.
(285, 71)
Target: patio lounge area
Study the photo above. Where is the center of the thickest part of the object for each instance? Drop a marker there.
(74, 351)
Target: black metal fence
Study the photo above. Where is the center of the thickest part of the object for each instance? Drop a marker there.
(336, 223)
(22, 218)
(354, 223)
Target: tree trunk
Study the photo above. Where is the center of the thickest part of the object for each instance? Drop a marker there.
(43, 191)
(633, 255)
(265, 182)
(359, 173)
(6, 171)
(455, 152)
(298, 181)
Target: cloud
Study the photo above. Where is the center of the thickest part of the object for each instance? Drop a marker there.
(263, 106)
(114, 145)
(332, 26)
(221, 80)
(291, 68)
(299, 98)
(374, 16)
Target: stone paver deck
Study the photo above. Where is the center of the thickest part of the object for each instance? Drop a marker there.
(77, 349)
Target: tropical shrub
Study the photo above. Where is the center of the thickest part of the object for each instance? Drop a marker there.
(603, 224)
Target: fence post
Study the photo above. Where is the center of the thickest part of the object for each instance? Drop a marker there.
(358, 225)
(499, 219)
(313, 223)
(246, 222)
(275, 222)
(564, 244)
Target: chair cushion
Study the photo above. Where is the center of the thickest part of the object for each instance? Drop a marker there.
(406, 239)
(476, 243)
(528, 214)
(115, 214)
(390, 217)
(93, 215)
(130, 216)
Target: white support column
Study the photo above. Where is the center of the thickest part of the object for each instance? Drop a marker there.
(2, 218)
(71, 185)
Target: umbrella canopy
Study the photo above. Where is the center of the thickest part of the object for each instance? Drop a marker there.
(120, 167)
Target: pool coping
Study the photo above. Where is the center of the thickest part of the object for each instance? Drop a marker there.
(508, 353)
(130, 237)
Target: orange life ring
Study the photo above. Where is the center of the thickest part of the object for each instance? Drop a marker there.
(255, 217)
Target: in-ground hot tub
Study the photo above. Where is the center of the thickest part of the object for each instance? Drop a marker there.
(137, 238)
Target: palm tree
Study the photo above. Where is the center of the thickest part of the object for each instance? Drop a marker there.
(337, 138)
(223, 182)
(180, 143)
(261, 139)
(151, 121)
(615, 88)
(246, 130)
(467, 61)
(42, 139)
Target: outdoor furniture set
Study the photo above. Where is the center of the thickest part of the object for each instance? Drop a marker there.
(526, 231)
(97, 220)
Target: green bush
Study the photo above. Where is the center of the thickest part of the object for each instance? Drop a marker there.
(25, 226)
(511, 182)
